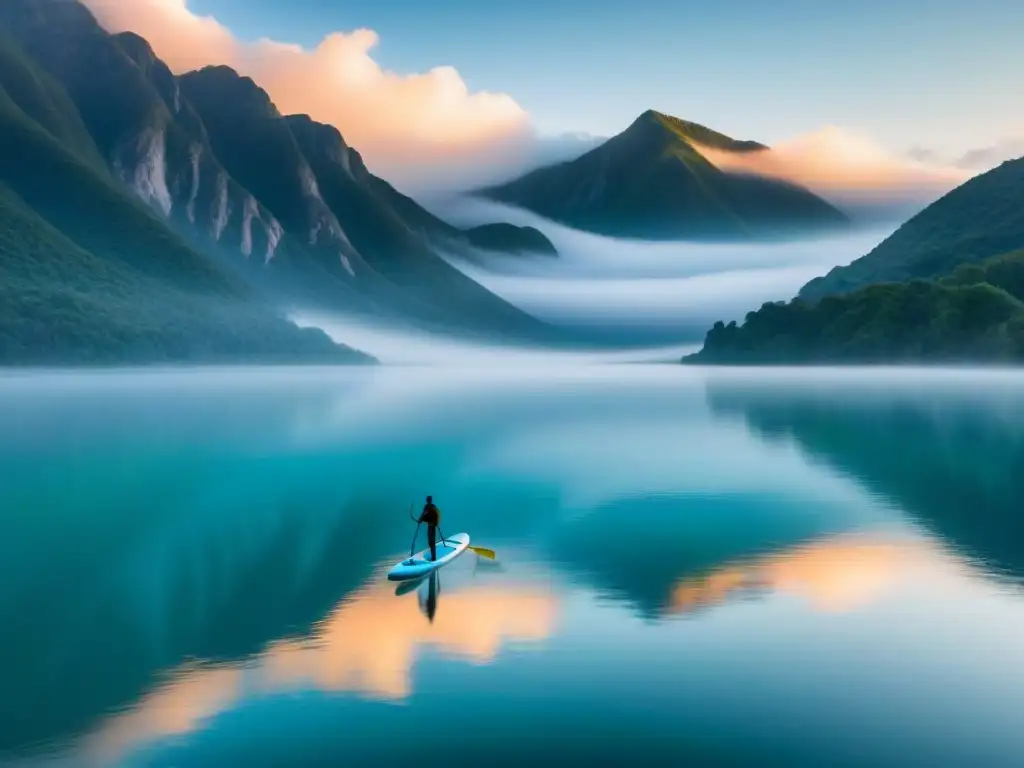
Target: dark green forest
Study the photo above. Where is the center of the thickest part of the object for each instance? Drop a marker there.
(974, 315)
(61, 305)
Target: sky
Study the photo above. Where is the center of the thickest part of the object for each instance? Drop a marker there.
(931, 81)
(941, 74)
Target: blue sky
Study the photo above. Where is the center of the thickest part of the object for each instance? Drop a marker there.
(935, 73)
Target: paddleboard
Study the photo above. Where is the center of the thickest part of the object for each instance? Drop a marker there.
(420, 564)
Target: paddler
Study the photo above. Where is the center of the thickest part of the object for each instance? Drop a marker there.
(431, 515)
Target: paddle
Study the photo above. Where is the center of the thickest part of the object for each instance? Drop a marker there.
(482, 551)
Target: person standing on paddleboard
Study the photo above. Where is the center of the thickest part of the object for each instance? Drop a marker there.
(432, 517)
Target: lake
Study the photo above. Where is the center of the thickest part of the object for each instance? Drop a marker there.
(702, 567)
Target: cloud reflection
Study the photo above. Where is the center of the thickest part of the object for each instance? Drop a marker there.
(176, 709)
(835, 575)
(368, 646)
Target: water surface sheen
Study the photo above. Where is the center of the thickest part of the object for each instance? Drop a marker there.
(798, 568)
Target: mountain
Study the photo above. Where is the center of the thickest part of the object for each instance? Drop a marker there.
(510, 238)
(89, 274)
(44, 102)
(130, 104)
(932, 291)
(323, 195)
(652, 181)
(974, 315)
(60, 305)
(399, 219)
(981, 218)
(213, 158)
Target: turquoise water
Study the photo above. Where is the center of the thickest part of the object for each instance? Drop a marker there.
(800, 568)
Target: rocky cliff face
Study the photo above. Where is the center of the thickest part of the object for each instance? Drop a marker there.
(282, 200)
(145, 131)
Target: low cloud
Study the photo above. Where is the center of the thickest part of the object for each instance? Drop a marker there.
(926, 156)
(635, 293)
(977, 160)
(986, 158)
(847, 169)
(500, 163)
(410, 127)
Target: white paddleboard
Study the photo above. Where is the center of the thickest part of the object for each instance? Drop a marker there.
(420, 564)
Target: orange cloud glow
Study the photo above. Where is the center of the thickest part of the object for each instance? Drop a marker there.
(176, 709)
(400, 123)
(369, 645)
(835, 163)
(836, 575)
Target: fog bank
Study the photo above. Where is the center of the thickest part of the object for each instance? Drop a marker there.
(643, 292)
(642, 301)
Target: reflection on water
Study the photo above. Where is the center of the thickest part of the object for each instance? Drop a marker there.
(173, 710)
(836, 574)
(370, 643)
(367, 645)
(948, 449)
(430, 595)
(795, 569)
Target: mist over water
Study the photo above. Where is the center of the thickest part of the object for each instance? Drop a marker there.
(657, 298)
(396, 344)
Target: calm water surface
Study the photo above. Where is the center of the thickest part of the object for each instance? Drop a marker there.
(799, 568)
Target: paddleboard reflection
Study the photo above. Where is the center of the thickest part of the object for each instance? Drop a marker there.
(428, 590)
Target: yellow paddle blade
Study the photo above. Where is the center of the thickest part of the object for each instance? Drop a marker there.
(483, 551)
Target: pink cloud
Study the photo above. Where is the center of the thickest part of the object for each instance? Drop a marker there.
(408, 126)
(844, 167)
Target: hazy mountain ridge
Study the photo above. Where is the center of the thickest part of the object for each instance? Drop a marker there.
(982, 217)
(241, 189)
(651, 181)
(931, 292)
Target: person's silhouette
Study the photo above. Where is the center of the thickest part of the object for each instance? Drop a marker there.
(431, 515)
